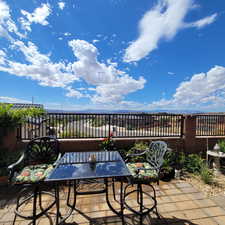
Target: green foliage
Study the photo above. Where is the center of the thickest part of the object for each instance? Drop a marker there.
(97, 122)
(107, 143)
(193, 163)
(6, 159)
(138, 147)
(206, 174)
(169, 162)
(179, 160)
(11, 118)
(222, 145)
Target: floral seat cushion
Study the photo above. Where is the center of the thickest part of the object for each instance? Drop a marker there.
(142, 171)
(33, 173)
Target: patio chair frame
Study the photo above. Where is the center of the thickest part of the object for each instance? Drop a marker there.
(45, 145)
(154, 156)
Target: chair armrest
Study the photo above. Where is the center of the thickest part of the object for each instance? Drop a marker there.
(59, 156)
(141, 152)
(11, 168)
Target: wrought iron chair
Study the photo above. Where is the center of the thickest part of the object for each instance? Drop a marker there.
(36, 162)
(145, 172)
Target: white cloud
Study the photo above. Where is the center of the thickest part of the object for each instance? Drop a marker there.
(112, 85)
(39, 67)
(67, 34)
(12, 100)
(161, 22)
(202, 91)
(73, 93)
(95, 41)
(203, 22)
(39, 16)
(7, 25)
(61, 5)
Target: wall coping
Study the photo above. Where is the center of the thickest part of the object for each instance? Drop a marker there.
(115, 139)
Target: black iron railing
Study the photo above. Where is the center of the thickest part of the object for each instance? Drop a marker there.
(73, 125)
(210, 125)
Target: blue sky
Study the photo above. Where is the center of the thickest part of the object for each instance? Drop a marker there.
(113, 54)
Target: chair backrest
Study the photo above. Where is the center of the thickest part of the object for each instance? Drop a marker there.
(155, 154)
(42, 150)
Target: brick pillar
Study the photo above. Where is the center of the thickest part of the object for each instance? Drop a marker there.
(189, 134)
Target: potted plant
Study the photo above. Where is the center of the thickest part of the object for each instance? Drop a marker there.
(11, 118)
(107, 143)
(167, 171)
(179, 164)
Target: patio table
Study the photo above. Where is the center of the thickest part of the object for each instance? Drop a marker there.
(76, 166)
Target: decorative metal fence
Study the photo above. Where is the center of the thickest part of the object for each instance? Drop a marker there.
(210, 125)
(73, 125)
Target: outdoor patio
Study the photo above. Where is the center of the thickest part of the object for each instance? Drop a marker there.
(179, 203)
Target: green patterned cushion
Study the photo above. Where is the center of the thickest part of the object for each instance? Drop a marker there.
(138, 171)
(34, 173)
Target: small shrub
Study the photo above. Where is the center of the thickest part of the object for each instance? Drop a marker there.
(138, 147)
(193, 163)
(206, 174)
(222, 145)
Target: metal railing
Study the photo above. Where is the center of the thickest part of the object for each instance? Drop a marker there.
(210, 125)
(73, 125)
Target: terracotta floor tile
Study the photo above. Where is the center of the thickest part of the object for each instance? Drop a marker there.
(172, 191)
(205, 221)
(195, 214)
(186, 205)
(168, 207)
(178, 198)
(214, 211)
(205, 203)
(196, 196)
(220, 220)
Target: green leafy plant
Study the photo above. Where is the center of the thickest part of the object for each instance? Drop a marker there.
(11, 118)
(107, 143)
(179, 159)
(137, 148)
(206, 174)
(7, 159)
(222, 145)
(193, 163)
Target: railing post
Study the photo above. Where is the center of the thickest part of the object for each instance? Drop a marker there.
(189, 134)
(182, 126)
(109, 125)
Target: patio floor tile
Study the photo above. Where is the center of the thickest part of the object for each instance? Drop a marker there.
(179, 203)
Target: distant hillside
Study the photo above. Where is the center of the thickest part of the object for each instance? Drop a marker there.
(124, 111)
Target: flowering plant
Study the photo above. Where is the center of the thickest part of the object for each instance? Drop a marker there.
(107, 143)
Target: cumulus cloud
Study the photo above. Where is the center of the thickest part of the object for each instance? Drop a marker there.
(12, 100)
(112, 84)
(7, 26)
(203, 22)
(203, 90)
(163, 21)
(61, 5)
(39, 16)
(73, 93)
(39, 67)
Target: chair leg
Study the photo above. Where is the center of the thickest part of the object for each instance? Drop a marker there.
(113, 187)
(140, 193)
(35, 204)
(17, 206)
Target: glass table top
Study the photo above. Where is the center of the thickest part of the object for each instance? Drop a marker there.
(76, 165)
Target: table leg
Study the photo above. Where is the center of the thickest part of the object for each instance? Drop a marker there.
(57, 203)
(120, 213)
